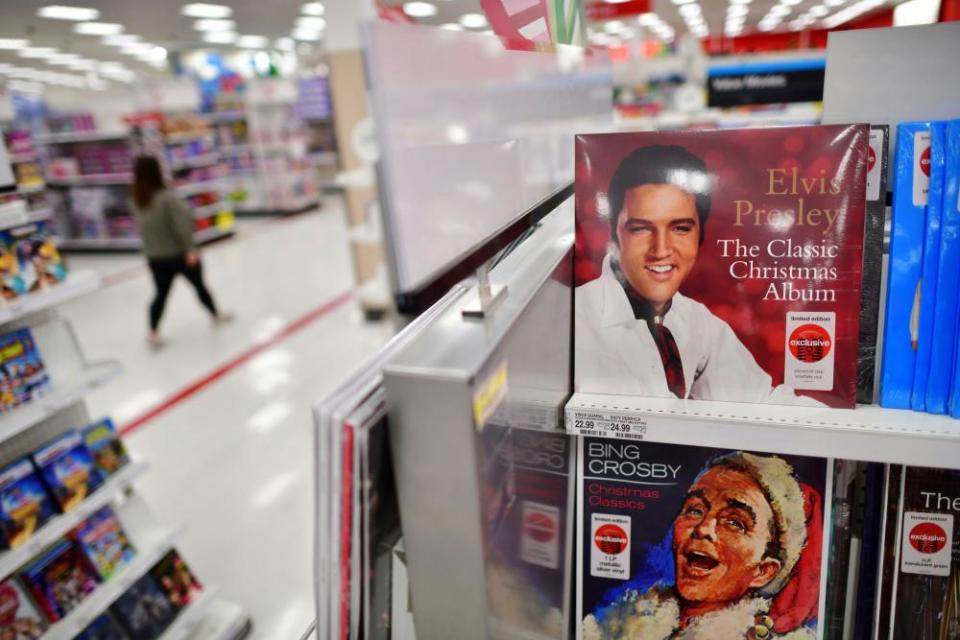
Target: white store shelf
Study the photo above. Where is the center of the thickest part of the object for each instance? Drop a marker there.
(78, 283)
(62, 524)
(867, 433)
(31, 188)
(188, 136)
(148, 554)
(60, 397)
(200, 187)
(224, 621)
(203, 160)
(30, 156)
(190, 618)
(91, 179)
(82, 136)
(125, 244)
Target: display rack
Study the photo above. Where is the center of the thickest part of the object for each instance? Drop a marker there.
(26, 427)
(455, 381)
(265, 146)
(89, 173)
(27, 163)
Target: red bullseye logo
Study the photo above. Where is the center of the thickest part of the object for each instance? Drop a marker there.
(540, 527)
(810, 343)
(610, 539)
(871, 158)
(925, 162)
(928, 537)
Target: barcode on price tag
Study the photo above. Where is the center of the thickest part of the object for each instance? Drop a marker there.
(600, 424)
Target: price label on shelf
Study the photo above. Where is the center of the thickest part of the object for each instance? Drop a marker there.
(606, 424)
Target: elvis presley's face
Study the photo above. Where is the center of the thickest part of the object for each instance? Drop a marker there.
(720, 538)
(658, 231)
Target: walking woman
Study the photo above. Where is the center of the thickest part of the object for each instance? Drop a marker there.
(166, 227)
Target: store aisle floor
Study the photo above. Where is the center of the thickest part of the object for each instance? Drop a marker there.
(223, 414)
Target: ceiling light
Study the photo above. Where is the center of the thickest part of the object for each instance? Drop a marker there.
(419, 9)
(312, 9)
(136, 48)
(306, 35)
(214, 24)
(285, 44)
(451, 26)
(690, 10)
(63, 58)
(252, 42)
(616, 1)
(779, 10)
(60, 12)
(740, 1)
(120, 40)
(683, 1)
(36, 52)
(790, 3)
(766, 26)
(473, 20)
(204, 10)
(648, 19)
(154, 54)
(737, 10)
(82, 64)
(219, 37)
(13, 43)
(98, 28)
(311, 23)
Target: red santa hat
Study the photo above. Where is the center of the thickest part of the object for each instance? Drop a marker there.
(797, 510)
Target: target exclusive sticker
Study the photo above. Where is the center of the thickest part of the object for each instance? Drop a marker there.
(810, 350)
(610, 546)
(927, 543)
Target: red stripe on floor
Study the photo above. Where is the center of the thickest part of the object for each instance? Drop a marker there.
(199, 385)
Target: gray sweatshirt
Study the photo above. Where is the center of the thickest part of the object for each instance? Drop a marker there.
(166, 226)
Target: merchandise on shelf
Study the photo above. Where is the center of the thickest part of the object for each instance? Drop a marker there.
(19, 617)
(38, 260)
(97, 212)
(70, 123)
(929, 265)
(143, 610)
(19, 142)
(647, 562)
(104, 627)
(922, 561)
(103, 157)
(174, 578)
(59, 580)
(877, 165)
(23, 374)
(902, 314)
(108, 451)
(942, 377)
(24, 503)
(720, 265)
(67, 469)
(104, 542)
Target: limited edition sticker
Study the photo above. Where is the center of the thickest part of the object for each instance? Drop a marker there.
(610, 546)
(540, 543)
(809, 350)
(926, 547)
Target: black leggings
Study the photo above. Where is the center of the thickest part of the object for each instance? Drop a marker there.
(164, 270)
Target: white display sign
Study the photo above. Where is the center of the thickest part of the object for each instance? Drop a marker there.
(927, 544)
(610, 546)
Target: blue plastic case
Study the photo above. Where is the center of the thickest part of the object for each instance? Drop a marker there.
(930, 265)
(24, 504)
(942, 375)
(68, 470)
(902, 314)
